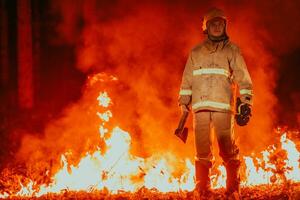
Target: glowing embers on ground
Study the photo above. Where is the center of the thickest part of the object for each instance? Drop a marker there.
(115, 169)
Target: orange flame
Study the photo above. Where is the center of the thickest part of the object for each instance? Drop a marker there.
(116, 169)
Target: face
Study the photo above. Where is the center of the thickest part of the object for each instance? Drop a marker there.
(216, 27)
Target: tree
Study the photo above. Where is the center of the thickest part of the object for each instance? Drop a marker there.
(25, 59)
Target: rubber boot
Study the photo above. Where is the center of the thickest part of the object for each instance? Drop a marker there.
(202, 180)
(233, 180)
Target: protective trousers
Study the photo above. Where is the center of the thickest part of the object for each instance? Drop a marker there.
(222, 123)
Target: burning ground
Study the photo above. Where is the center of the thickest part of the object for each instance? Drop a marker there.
(116, 139)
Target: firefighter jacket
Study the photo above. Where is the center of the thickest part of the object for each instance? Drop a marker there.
(209, 75)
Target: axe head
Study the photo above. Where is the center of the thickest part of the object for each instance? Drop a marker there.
(182, 134)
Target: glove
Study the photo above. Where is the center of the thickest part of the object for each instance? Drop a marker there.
(243, 111)
(184, 108)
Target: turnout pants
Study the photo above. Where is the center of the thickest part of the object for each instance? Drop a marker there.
(222, 123)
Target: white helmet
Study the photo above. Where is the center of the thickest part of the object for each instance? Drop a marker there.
(211, 14)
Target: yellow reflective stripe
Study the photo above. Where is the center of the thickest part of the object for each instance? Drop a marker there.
(185, 92)
(211, 71)
(246, 91)
(202, 159)
(211, 104)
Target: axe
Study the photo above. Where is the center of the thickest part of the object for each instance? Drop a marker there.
(181, 131)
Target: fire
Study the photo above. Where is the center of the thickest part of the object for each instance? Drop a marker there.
(115, 169)
(264, 174)
(293, 160)
(104, 99)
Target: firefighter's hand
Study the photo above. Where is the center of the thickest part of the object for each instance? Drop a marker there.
(245, 109)
(184, 108)
(243, 114)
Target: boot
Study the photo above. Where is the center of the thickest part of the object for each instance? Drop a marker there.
(233, 179)
(202, 179)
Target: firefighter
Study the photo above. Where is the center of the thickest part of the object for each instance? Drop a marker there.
(212, 68)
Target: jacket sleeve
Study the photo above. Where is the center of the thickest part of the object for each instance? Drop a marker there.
(185, 93)
(241, 76)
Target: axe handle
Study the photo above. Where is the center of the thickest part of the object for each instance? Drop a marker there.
(183, 120)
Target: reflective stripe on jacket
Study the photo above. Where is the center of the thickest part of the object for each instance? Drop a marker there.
(209, 73)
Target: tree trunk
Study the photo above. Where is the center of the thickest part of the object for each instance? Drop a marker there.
(3, 47)
(36, 45)
(25, 60)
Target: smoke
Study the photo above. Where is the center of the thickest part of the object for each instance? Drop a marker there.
(141, 49)
(264, 38)
(145, 45)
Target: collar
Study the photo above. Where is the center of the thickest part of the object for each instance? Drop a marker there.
(214, 46)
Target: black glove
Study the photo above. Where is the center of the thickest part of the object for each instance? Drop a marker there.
(243, 113)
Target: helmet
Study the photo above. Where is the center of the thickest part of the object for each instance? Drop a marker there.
(211, 14)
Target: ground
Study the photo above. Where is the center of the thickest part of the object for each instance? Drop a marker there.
(262, 192)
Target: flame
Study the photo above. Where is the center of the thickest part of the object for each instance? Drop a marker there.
(4, 195)
(118, 170)
(26, 191)
(104, 100)
(293, 160)
(219, 180)
(255, 176)
(265, 175)
(115, 169)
